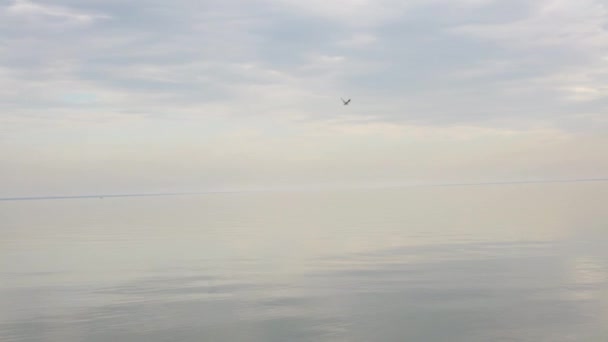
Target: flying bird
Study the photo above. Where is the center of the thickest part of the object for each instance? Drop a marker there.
(345, 102)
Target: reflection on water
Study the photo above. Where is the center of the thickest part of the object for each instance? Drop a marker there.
(505, 263)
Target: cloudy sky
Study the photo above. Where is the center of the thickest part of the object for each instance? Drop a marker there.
(109, 96)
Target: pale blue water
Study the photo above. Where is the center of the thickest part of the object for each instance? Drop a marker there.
(486, 263)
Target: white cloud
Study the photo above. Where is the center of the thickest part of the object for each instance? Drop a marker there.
(580, 83)
(30, 10)
(359, 40)
(582, 93)
(560, 23)
(354, 13)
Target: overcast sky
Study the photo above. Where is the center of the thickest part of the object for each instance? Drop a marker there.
(109, 96)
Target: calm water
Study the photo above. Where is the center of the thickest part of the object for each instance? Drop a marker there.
(471, 263)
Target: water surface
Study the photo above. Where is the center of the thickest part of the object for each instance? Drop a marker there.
(523, 262)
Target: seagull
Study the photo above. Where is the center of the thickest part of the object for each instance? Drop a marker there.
(345, 102)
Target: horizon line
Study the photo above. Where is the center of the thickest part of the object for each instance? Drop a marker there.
(295, 188)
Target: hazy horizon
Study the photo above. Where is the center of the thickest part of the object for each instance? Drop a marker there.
(305, 187)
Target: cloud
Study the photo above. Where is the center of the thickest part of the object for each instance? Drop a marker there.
(359, 40)
(552, 23)
(358, 13)
(245, 84)
(41, 14)
(437, 62)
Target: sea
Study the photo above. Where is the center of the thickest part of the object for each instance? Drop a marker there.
(503, 262)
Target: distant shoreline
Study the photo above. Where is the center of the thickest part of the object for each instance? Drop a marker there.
(354, 187)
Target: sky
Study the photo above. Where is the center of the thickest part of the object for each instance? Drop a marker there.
(108, 96)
